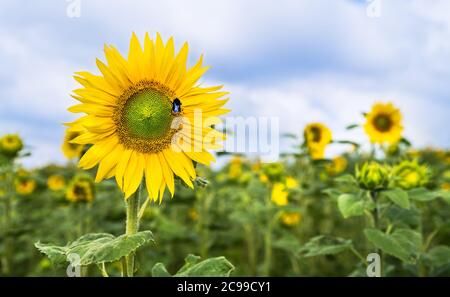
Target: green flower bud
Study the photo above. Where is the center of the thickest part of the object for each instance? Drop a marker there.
(372, 176)
(410, 174)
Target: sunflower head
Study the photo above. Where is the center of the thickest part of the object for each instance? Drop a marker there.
(279, 194)
(69, 149)
(317, 137)
(410, 174)
(24, 185)
(235, 170)
(147, 116)
(290, 219)
(10, 145)
(384, 124)
(193, 214)
(81, 189)
(337, 166)
(56, 182)
(291, 183)
(372, 176)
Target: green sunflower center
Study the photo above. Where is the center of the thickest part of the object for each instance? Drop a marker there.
(144, 117)
(147, 114)
(382, 122)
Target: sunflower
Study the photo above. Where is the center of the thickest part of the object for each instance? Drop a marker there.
(81, 189)
(235, 170)
(25, 186)
(147, 115)
(72, 150)
(317, 137)
(56, 182)
(338, 165)
(10, 144)
(384, 124)
(410, 174)
(291, 183)
(279, 194)
(290, 218)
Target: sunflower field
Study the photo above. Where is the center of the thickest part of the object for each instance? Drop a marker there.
(132, 201)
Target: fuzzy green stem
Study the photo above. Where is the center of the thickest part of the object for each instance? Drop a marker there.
(376, 219)
(132, 225)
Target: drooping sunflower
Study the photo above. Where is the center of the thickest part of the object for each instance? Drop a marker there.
(147, 115)
(384, 124)
(72, 150)
(317, 137)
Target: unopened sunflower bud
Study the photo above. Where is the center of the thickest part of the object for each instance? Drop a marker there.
(410, 174)
(372, 176)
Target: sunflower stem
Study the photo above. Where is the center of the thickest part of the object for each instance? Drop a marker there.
(132, 225)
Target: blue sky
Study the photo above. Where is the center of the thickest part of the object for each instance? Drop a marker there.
(301, 61)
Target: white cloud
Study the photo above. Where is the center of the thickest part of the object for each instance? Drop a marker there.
(300, 60)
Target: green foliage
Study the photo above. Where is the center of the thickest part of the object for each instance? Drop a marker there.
(193, 267)
(403, 243)
(96, 248)
(325, 245)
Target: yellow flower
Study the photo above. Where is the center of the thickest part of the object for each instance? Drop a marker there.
(10, 144)
(317, 137)
(235, 167)
(445, 186)
(25, 186)
(279, 194)
(409, 174)
(384, 124)
(338, 165)
(147, 115)
(263, 178)
(291, 218)
(2, 193)
(72, 150)
(291, 183)
(56, 182)
(193, 214)
(81, 189)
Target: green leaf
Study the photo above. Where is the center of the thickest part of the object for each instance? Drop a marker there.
(398, 196)
(218, 266)
(325, 245)
(444, 194)
(332, 192)
(350, 205)
(422, 194)
(97, 248)
(159, 270)
(438, 256)
(193, 267)
(346, 179)
(56, 254)
(352, 126)
(403, 244)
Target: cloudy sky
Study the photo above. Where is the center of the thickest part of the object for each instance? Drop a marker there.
(299, 60)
